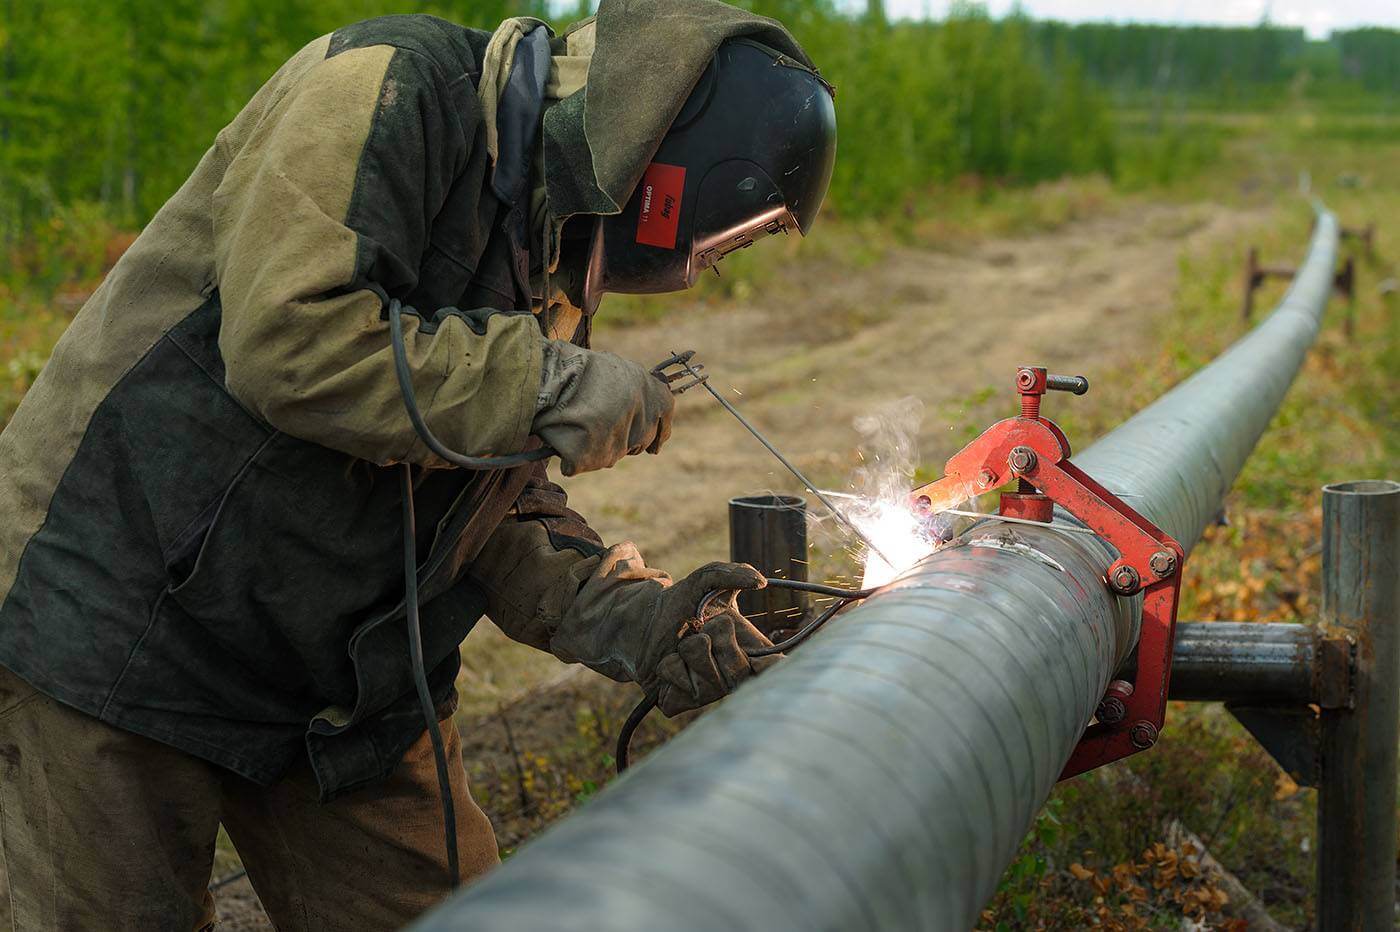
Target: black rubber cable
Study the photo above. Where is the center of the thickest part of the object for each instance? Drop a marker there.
(819, 588)
(623, 753)
(420, 675)
(410, 559)
(410, 403)
(801, 635)
(624, 736)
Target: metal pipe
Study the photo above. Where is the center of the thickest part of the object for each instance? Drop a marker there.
(1356, 797)
(1218, 661)
(883, 776)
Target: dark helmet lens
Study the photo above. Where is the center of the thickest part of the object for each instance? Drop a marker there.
(750, 155)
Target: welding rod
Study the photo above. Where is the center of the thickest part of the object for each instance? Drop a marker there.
(807, 483)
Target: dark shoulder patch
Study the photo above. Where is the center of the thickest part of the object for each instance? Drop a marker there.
(450, 47)
(419, 142)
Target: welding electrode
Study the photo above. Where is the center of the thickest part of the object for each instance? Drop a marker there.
(806, 483)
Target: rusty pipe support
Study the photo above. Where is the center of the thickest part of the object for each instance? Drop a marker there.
(1356, 812)
(883, 776)
(1217, 661)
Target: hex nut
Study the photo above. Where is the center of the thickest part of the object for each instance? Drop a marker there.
(1163, 563)
(1143, 735)
(1022, 459)
(1124, 580)
(1111, 710)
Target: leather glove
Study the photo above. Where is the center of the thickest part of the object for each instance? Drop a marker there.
(690, 662)
(629, 622)
(595, 408)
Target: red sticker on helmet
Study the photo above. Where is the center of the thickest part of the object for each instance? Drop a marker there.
(662, 187)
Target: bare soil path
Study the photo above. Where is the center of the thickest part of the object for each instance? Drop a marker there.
(819, 347)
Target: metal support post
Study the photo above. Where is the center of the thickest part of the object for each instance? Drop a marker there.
(1357, 796)
(769, 532)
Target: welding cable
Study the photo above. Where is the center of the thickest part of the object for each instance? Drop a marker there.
(802, 634)
(624, 736)
(819, 588)
(420, 674)
(623, 754)
(410, 403)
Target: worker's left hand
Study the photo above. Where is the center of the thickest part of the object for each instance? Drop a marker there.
(708, 660)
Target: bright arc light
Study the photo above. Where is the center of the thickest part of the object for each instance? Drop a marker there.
(897, 532)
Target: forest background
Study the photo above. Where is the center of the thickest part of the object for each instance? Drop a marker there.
(106, 107)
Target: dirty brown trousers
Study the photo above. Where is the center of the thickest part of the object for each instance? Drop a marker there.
(101, 829)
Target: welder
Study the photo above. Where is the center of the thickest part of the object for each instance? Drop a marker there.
(204, 614)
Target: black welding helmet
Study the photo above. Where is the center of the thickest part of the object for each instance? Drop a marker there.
(750, 154)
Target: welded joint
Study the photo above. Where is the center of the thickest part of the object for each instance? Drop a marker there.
(1334, 671)
(1011, 542)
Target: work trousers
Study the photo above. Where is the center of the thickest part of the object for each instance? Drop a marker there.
(101, 829)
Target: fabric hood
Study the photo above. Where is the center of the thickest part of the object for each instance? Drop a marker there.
(648, 55)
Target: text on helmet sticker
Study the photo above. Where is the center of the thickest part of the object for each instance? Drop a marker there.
(662, 186)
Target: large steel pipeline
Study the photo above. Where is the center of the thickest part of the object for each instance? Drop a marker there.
(882, 776)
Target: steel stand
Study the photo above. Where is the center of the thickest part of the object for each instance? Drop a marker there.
(1357, 792)
(769, 532)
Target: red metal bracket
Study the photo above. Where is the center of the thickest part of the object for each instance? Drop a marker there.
(1035, 452)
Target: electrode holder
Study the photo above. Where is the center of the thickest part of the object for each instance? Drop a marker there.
(1034, 451)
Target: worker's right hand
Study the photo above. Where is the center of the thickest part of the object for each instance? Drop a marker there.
(595, 408)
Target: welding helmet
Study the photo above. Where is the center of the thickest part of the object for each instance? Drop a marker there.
(749, 155)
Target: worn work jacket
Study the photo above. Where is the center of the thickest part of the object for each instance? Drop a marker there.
(199, 516)
(201, 536)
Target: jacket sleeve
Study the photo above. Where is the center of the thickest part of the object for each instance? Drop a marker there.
(551, 584)
(324, 212)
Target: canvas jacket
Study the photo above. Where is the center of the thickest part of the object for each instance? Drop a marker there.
(201, 534)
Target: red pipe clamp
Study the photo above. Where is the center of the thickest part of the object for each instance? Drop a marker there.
(1033, 450)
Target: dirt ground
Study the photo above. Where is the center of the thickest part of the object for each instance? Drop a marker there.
(805, 356)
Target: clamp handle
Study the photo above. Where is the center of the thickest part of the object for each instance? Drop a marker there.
(1034, 381)
(1074, 384)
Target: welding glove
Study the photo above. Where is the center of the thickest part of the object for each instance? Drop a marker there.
(595, 408)
(630, 622)
(698, 660)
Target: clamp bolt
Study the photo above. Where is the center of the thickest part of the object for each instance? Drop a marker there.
(1111, 710)
(1124, 580)
(1025, 378)
(986, 477)
(1112, 707)
(1162, 563)
(1021, 460)
(1143, 735)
